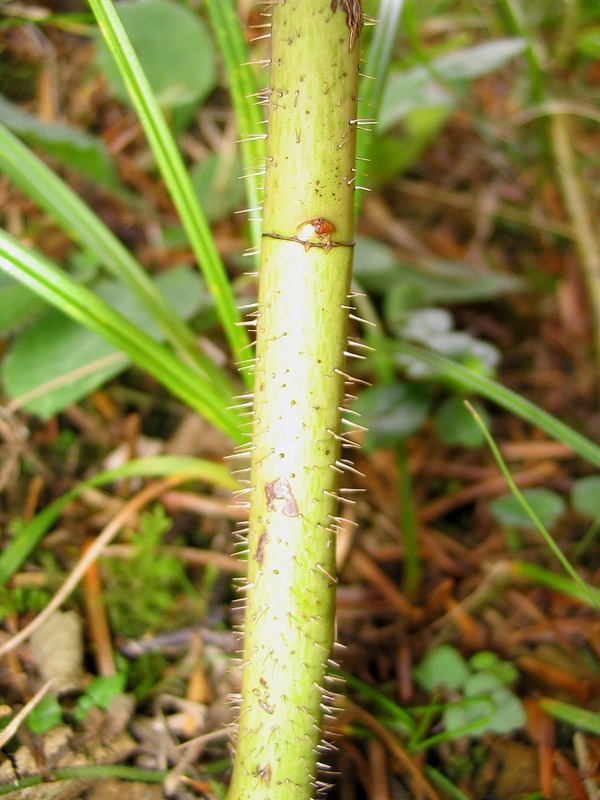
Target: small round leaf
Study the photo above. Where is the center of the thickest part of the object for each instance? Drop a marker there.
(548, 506)
(585, 496)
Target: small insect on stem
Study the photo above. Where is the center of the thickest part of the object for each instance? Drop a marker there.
(314, 231)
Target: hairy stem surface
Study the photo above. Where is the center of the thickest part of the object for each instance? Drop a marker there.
(302, 320)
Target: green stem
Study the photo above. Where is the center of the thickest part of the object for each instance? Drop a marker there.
(93, 771)
(302, 321)
(410, 530)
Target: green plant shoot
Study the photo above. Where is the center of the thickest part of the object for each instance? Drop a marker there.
(300, 377)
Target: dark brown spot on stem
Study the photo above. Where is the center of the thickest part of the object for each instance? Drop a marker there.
(280, 489)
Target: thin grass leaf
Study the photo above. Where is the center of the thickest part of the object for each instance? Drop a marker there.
(29, 536)
(579, 718)
(370, 693)
(444, 783)
(42, 277)
(468, 380)
(372, 84)
(558, 583)
(530, 512)
(243, 89)
(174, 173)
(79, 222)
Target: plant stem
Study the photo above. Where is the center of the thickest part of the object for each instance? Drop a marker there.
(410, 530)
(302, 321)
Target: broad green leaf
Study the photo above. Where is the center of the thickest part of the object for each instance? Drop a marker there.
(487, 661)
(103, 688)
(392, 412)
(469, 63)
(585, 496)
(402, 147)
(500, 711)
(72, 147)
(375, 264)
(433, 328)
(589, 43)
(410, 91)
(174, 48)
(56, 347)
(418, 88)
(47, 714)
(548, 506)
(39, 274)
(217, 184)
(18, 305)
(434, 281)
(442, 667)
(80, 223)
(455, 424)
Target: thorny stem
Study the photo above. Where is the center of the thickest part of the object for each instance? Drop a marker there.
(299, 389)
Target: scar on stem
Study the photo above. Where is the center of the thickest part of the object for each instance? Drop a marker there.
(260, 548)
(313, 233)
(280, 489)
(353, 9)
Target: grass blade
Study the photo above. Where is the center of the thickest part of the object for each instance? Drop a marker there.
(173, 170)
(557, 583)
(79, 222)
(468, 380)
(529, 511)
(243, 90)
(573, 715)
(42, 277)
(29, 536)
(372, 84)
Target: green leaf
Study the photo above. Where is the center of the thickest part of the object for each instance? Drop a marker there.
(175, 175)
(488, 662)
(21, 547)
(18, 305)
(455, 424)
(375, 265)
(579, 718)
(585, 496)
(72, 147)
(442, 667)
(433, 327)
(83, 226)
(467, 379)
(217, 184)
(548, 506)
(242, 85)
(39, 274)
(444, 282)
(499, 710)
(104, 688)
(46, 715)
(56, 350)
(392, 412)
(174, 48)
(589, 43)
(469, 63)
(410, 91)
(417, 89)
